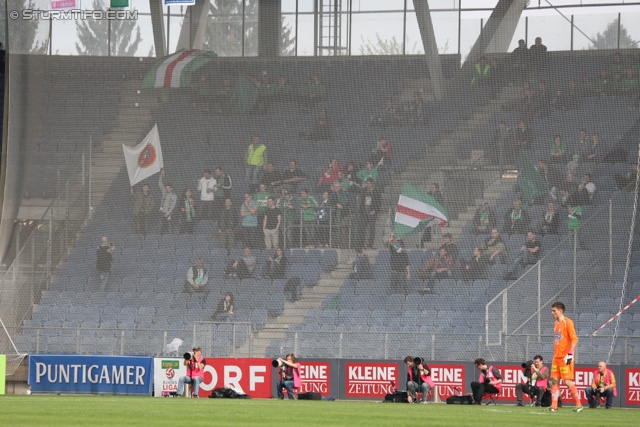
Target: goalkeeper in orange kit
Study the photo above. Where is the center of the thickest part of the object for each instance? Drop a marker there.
(564, 347)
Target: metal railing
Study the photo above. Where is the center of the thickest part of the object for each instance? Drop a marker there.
(569, 271)
(329, 232)
(51, 237)
(222, 339)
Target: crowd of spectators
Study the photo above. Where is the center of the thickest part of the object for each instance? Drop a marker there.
(291, 208)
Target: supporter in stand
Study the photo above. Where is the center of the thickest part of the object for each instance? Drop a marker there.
(559, 150)
(369, 209)
(476, 267)
(369, 171)
(167, 206)
(271, 223)
(104, 258)
(329, 175)
(224, 312)
(207, 188)
(523, 136)
(520, 62)
(249, 214)
(312, 93)
(567, 188)
(596, 150)
(340, 211)
(143, 205)
(483, 220)
(293, 176)
(197, 278)
(276, 265)
(539, 56)
(271, 178)
(495, 248)
(255, 160)
(241, 268)
(188, 210)
(227, 223)
(550, 220)
(529, 255)
(516, 220)
(223, 189)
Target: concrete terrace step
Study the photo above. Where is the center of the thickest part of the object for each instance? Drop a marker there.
(295, 312)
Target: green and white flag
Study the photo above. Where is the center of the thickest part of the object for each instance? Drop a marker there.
(175, 70)
(417, 210)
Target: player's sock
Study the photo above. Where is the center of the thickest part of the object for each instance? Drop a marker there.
(576, 396)
(555, 393)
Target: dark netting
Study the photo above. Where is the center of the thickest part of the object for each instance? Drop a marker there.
(97, 266)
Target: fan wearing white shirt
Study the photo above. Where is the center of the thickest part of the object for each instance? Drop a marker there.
(207, 188)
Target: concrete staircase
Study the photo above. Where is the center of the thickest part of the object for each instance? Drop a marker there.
(132, 124)
(295, 312)
(441, 159)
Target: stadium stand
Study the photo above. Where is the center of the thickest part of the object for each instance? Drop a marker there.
(143, 305)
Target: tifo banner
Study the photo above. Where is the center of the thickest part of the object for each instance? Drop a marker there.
(371, 379)
(180, 2)
(632, 389)
(449, 378)
(63, 4)
(90, 374)
(3, 373)
(315, 377)
(250, 376)
(145, 159)
(166, 373)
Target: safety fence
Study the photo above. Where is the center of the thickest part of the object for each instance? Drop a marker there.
(577, 271)
(238, 340)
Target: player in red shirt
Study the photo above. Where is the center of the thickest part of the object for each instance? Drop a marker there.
(564, 346)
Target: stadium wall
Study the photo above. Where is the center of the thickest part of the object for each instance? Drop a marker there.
(342, 379)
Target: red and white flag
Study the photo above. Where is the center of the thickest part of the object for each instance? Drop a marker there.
(145, 159)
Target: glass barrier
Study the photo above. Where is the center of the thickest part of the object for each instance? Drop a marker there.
(359, 29)
(595, 31)
(377, 34)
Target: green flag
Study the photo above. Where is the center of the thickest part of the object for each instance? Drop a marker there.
(530, 182)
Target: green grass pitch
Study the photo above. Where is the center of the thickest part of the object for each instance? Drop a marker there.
(68, 410)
